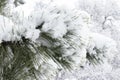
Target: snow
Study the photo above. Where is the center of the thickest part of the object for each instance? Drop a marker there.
(32, 34)
(106, 33)
(65, 4)
(58, 18)
(6, 27)
(10, 31)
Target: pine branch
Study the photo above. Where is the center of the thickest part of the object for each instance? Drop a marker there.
(23, 57)
(2, 4)
(94, 58)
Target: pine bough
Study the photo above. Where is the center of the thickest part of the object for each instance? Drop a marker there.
(37, 43)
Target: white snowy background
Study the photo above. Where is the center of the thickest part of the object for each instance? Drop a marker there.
(99, 22)
(105, 16)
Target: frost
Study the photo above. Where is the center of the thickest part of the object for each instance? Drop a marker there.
(75, 30)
